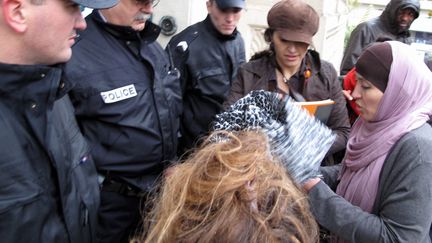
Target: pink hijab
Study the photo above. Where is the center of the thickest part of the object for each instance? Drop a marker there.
(405, 105)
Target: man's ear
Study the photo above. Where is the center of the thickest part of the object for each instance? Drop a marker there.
(208, 5)
(14, 14)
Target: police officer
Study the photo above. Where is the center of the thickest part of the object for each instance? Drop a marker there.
(208, 55)
(127, 101)
(48, 182)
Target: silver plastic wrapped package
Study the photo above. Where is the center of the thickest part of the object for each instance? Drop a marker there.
(299, 140)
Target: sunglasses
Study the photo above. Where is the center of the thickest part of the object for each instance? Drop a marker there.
(147, 2)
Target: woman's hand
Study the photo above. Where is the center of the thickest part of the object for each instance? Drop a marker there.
(347, 94)
(309, 184)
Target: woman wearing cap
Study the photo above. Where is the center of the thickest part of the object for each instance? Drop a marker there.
(289, 67)
(383, 187)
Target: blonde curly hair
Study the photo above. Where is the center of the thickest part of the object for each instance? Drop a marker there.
(230, 191)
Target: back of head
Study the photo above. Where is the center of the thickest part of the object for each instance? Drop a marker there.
(297, 20)
(231, 191)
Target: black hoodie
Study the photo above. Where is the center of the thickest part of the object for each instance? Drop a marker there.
(369, 31)
(389, 15)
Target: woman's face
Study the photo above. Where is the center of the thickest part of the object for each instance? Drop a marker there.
(289, 54)
(367, 98)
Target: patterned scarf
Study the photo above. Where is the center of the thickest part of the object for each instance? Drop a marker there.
(297, 139)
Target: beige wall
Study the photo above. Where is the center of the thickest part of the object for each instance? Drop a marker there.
(328, 41)
(185, 12)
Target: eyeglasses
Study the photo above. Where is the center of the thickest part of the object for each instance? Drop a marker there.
(147, 2)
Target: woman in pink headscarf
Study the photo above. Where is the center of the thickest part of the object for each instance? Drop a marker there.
(383, 186)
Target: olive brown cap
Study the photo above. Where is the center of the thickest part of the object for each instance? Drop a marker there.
(294, 19)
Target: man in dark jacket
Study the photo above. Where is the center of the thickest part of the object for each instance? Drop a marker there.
(48, 182)
(208, 54)
(393, 23)
(127, 100)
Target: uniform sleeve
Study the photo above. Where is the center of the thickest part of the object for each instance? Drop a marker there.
(403, 212)
(237, 90)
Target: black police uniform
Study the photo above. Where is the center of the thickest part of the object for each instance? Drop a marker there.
(127, 101)
(48, 181)
(208, 62)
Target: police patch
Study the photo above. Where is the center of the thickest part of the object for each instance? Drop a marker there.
(119, 94)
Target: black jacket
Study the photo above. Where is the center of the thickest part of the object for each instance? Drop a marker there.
(127, 101)
(369, 31)
(48, 183)
(208, 65)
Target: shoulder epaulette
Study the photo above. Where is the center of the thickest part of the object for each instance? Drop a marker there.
(186, 40)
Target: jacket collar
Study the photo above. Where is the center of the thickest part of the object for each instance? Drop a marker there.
(35, 85)
(149, 34)
(267, 63)
(212, 29)
(264, 67)
(314, 60)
